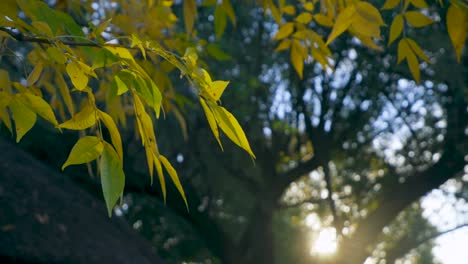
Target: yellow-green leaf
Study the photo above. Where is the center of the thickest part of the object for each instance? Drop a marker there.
(417, 19)
(342, 23)
(112, 177)
(211, 120)
(284, 31)
(85, 150)
(121, 86)
(229, 11)
(162, 181)
(84, 119)
(77, 75)
(35, 74)
(390, 4)
(5, 118)
(57, 55)
(369, 13)
(39, 106)
(323, 20)
(24, 118)
(297, 57)
(220, 21)
(113, 131)
(396, 28)
(231, 127)
(457, 26)
(290, 10)
(5, 82)
(120, 52)
(65, 93)
(304, 18)
(190, 13)
(174, 177)
(417, 50)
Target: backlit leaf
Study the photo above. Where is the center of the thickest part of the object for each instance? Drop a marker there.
(162, 181)
(85, 150)
(86, 118)
(211, 121)
(284, 31)
(457, 26)
(77, 75)
(121, 86)
(57, 55)
(284, 44)
(304, 18)
(369, 13)
(417, 19)
(323, 20)
(39, 106)
(24, 118)
(112, 177)
(113, 131)
(174, 177)
(297, 58)
(396, 28)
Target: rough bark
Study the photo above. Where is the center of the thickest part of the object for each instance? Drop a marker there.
(46, 218)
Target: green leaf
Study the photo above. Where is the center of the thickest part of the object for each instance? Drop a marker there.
(84, 119)
(220, 21)
(57, 55)
(216, 52)
(231, 127)
(24, 118)
(121, 86)
(190, 13)
(113, 131)
(39, 106)
(211, 121)
(174, 177)
(85, 150)
(112, 177)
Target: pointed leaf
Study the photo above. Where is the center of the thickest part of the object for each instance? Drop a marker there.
(112, 177)
(417, 50)
(24, 118)
(390, 4)
(419, 3)
(323, 20)
(417, 19)
(284, 31)
(342, 23)
(297, 58)
(84, 119)
(369, 13)
(77, 75)
(284, 44)
(211, 121)
(174, 177)
(39, 106)
(35, 74)
(113, 131)
(457, 26)
(85, 150)
(396, 28)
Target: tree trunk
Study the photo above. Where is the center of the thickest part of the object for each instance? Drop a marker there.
(46, 218)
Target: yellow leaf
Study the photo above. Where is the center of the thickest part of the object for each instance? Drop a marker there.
(419, 3)
(403, 50)
(417, 50)
(84, 119)
(162, 181)
(304, 18)
(390, 4)
(290, 10)
(39, 106)
(211, 120)
(174, 177)
(35, 74)
(85, 150)
(120, 52)
(297, 57)
(284, 31)
(190, 13)
(457, 26)
(65, 93)
(342, 23)
(284, 44)
(413, 66)
(369, 13)
(77, 75)
(217, 89)
(309, 6)
(23, 117)
(396, 28)
(231, 127)
(43, 28)
(365, 28)
(113, 131)
(5, 82)
(5, 118)
(323, 20)
(417, 19)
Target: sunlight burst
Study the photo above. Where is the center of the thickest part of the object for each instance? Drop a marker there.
(325, 243)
